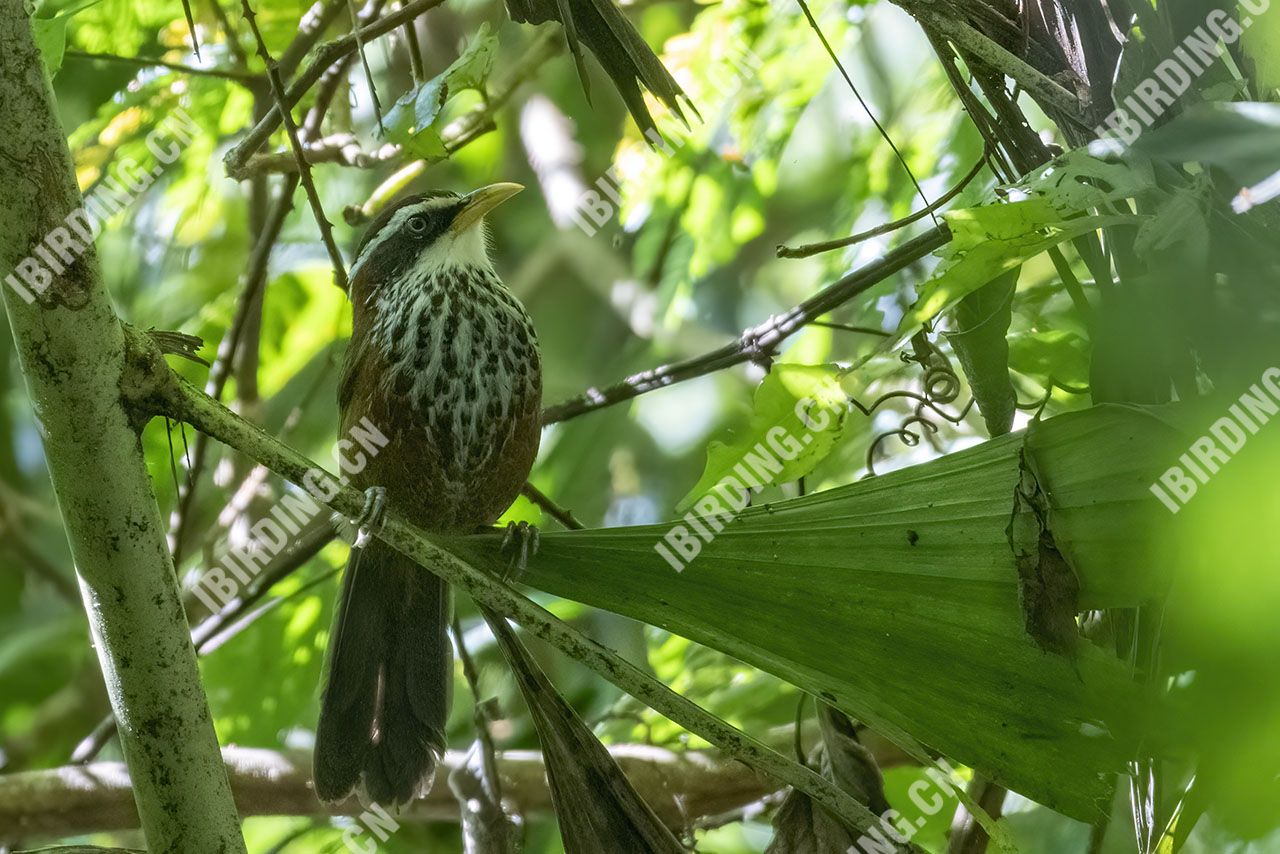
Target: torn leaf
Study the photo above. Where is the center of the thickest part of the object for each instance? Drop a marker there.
(1049, 591)
(413, 119)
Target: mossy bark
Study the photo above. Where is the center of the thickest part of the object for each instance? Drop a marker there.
(71, 347)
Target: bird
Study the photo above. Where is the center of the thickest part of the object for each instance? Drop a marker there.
(444, 361)
(620, 49)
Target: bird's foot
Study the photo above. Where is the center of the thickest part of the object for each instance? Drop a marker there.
(522, 541)
(372, 516)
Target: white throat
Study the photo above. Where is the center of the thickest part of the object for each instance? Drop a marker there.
(467, 249)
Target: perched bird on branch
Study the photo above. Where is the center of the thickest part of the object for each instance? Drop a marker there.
(443, 360)
(621, 51)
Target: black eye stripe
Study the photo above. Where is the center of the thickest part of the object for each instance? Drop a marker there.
(426, 225)
(397, 236)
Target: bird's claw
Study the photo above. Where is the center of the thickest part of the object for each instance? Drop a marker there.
(372, 516)
(522, 539)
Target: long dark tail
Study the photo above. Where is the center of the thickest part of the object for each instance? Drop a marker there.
(383, 711)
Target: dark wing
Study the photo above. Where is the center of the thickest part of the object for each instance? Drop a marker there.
(357, 348)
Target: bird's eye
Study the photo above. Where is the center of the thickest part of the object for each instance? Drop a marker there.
(418, 224)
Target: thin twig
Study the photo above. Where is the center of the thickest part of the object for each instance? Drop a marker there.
(339, 149)
(243, 77)
(968, 836)
(249, 347)
(1047, 91)
(327, 55)
(756, 342)
(62, 582)
(254, 279)
(229, 31)
(357, 214)
(491, 779)
(312, 26)
(973, 106)
(364, 61)
(866, 108)
(415, 53)
(465, 129)
(555, 511)
(848, 327)
(1072, 285)
(211, 643)
(13, 530)
(826, 246)
(339, 146)
(291, 130)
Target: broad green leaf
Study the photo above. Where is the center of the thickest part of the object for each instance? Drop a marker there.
(862, 594)
(1078, 181)
(472, 68)
(799, 414)
(411, 122)
(51, 34)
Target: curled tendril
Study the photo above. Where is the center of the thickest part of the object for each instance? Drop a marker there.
(941, 385)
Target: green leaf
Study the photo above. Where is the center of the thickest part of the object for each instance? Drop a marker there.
(1238, 138)
(1049, 207)
(1056, 354)
(1261, 44)
(982, 323)
(411, 122)
(51, 34)
(1078, 181)
(597, 807)
(988, 242)
(1180, 226)
(863, 593)
(777, 434)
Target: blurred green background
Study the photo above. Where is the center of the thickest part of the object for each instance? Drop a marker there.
(783, 154)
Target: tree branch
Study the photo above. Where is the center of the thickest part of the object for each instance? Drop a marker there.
(756, 342)
(234, 75)
(72, 349)
(339, 149)
(254, 280)
(312, 26)
(80, 799)
(221, 626)
(291, 130)
(1047, 91)
(164, 393)
(555, 511)
(327, 55)
(808, 249)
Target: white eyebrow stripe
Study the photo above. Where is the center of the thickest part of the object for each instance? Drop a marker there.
(397, 222)
(393, 225)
